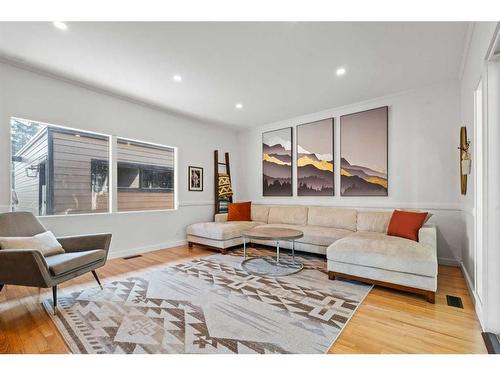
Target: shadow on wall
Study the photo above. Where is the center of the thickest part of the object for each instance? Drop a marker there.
(443, 245)
(450, 229)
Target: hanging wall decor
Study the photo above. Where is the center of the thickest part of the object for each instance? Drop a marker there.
(315, 158)
(363, 151)
(465, 161)
(195, 178)
(277, 163)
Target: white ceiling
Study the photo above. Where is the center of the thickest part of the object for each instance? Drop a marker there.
(277, 70)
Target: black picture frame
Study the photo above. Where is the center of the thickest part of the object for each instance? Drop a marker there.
(192, 185)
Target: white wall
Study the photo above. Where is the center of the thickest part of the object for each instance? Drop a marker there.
(423, 160)
(38, 97)
(475, 69)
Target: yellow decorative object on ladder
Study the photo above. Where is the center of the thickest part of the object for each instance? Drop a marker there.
(224, 184)
(223, 193)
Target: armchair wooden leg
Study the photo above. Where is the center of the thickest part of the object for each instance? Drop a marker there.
(54, 298)
(97, 278)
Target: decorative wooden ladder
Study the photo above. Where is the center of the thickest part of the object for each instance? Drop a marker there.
(221, 202)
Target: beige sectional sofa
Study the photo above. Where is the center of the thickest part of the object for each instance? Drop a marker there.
(355, 243)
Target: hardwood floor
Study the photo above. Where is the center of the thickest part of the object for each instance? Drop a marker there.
(387, 322)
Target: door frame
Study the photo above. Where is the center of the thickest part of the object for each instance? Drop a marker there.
(480, 186)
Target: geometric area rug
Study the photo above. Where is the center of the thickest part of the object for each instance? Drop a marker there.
(210, 305)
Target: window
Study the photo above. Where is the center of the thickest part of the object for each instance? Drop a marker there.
(157, 178)
(61, 171)
(128, 177)
(99, 176)
(145, 176)
(54, 169)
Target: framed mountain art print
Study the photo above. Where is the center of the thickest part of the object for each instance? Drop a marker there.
(315, 158)
(364, 153)
(277, 157)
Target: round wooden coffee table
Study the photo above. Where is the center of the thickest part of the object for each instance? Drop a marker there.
(267, 265)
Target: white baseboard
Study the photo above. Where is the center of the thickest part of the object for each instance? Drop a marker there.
(145, 249)
(475, 299)
(449, 262)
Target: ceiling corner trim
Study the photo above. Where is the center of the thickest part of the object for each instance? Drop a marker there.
(465, 53)
(494, 48)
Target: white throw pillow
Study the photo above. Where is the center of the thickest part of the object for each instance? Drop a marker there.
(46, 242)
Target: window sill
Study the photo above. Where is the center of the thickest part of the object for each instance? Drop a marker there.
(108, 213)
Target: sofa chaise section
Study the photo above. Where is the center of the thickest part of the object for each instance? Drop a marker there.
(222, 234)
(384, 260)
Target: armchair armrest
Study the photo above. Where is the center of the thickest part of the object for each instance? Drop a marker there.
(72, 244)
(220, 218)
(24, 267)
(427, 236)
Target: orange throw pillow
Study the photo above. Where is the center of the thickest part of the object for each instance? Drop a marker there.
(239, 211)
(406, 224)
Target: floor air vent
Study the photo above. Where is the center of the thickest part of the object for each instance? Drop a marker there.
(132, 257)
(454, 301)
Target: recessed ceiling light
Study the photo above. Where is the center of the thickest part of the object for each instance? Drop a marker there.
(340, 71)
(238, 106)
(60, 25)
(177, 78)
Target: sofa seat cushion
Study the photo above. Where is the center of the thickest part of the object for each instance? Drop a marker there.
(379, 250)
(220, 231)
(314, 235)
(67, 262)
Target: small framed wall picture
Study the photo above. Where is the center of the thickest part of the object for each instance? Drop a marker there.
(195, 178)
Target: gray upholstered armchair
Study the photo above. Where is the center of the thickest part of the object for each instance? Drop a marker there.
(28, 267)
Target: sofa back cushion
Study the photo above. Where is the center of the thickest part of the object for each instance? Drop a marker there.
(374, 221)
(332, 217)
(260, 213)
(296, 215)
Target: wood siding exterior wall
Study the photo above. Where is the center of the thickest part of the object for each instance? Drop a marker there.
(27, 188)
(135, 153)
(130, 152)
(72, 177)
